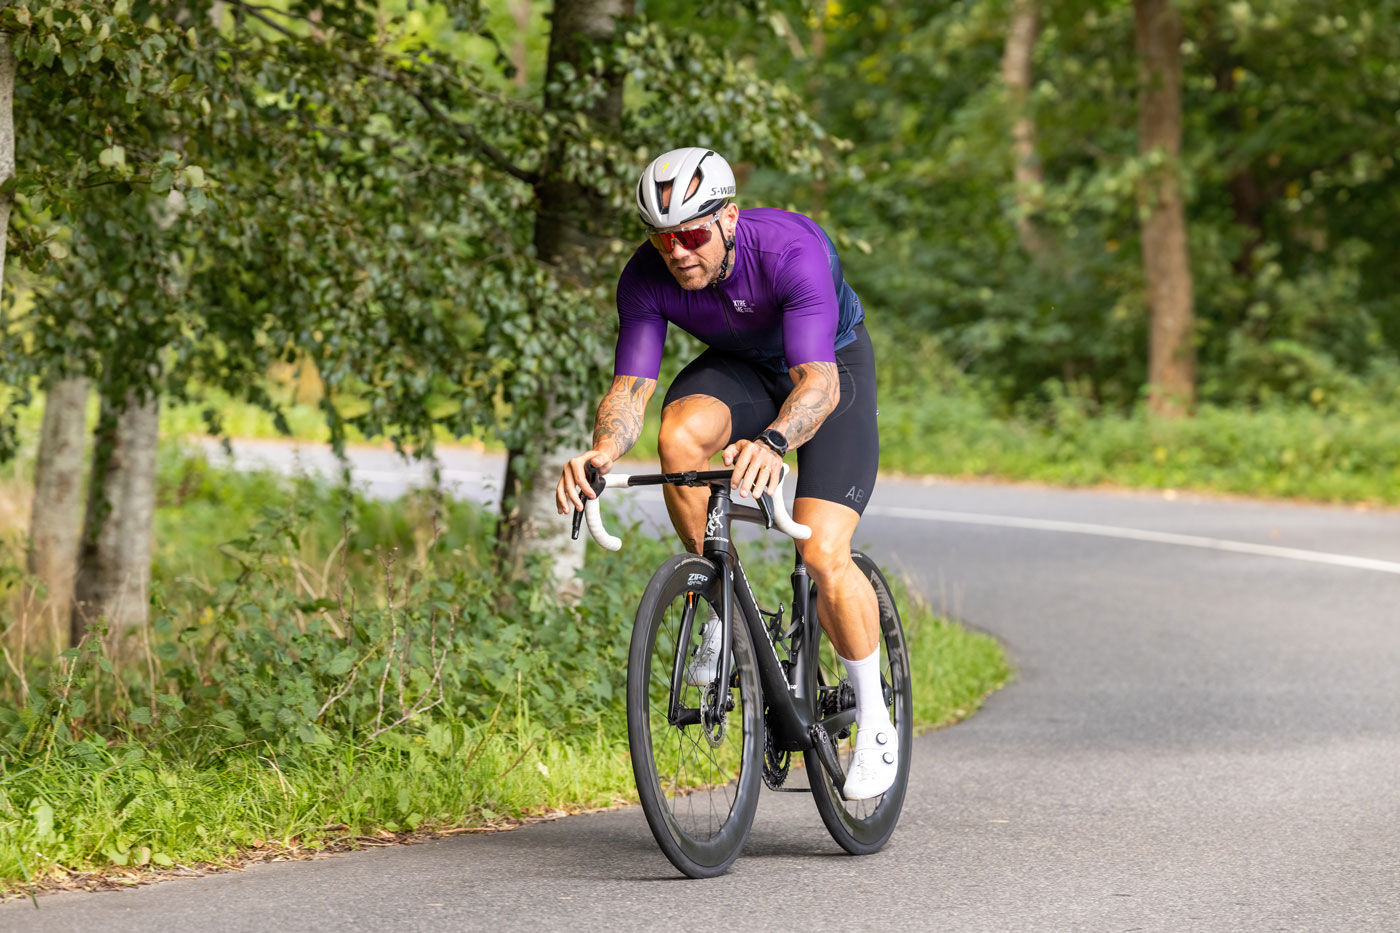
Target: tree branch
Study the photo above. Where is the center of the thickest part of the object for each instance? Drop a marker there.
(470, 136)
(256, 12)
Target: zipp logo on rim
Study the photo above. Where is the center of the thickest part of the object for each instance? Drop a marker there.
(695, 579)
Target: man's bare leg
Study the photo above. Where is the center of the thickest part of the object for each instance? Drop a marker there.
(850, 614)
(846, 601)
(693, 430)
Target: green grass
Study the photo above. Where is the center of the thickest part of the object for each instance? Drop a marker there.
(1294, 451)
(1283, 452)
(1327, 447)
(1342, 446)
(99, 806)
(104, 770)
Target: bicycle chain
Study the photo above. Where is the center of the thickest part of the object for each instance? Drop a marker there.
(775, 763)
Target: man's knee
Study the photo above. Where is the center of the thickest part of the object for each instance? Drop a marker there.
(826, 558)
(692, 431)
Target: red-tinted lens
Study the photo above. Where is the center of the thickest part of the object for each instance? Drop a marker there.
(690, 239)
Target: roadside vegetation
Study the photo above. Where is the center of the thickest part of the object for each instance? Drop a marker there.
(1340, 446)
(1146, 244)
(324, 670)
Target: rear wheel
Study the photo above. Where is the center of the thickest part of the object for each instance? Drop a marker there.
(862, 826)
(698, 780)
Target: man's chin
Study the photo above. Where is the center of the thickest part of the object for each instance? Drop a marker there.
(691, 280)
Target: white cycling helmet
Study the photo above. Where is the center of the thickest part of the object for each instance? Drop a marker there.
(680, 166)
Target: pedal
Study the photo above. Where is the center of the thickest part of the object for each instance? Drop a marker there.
(826, 753)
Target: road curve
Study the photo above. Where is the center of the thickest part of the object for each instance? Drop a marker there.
(1198, 738)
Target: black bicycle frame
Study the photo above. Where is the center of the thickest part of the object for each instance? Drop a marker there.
(794, 725)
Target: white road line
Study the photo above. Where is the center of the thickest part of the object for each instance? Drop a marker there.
(1137, 534)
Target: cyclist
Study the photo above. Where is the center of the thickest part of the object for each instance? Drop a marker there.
(789, 366)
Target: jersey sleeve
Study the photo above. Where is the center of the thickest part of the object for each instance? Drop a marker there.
(811, 312)
(641, 331)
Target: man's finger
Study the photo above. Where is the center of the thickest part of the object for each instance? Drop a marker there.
(572, 491)
(741, 465)
(762, 480)
(752, 467)
(581, 477)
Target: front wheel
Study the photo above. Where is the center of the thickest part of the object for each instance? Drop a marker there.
(861, 826)
(698, 780)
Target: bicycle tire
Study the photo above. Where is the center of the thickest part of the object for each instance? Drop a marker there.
(858, 826)
(704, 844)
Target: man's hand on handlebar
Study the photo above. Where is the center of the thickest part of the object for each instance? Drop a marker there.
(757, 468)
(573, 483)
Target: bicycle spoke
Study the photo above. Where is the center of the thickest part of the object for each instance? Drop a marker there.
(687, 764)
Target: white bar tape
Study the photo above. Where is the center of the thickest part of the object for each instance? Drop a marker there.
(781, 519)
(594, 516)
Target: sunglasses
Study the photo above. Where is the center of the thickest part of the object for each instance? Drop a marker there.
(690, 238)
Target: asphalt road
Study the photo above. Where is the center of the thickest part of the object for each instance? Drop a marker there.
(1204, 735)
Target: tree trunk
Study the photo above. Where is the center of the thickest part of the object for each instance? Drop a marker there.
(115, 567)
(520, 58)
(1170, 300)
(56, 519)
(529, 522)
(7, 139)
(1016, 72)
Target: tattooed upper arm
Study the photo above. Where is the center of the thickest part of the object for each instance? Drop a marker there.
(816, 390)
(621, 413)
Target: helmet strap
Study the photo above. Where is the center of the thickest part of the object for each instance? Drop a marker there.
(728, 248)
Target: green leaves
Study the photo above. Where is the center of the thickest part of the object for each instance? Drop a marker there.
(112, 157)
(351, 187)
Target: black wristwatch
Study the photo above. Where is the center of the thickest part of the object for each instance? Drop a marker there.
(774, 440)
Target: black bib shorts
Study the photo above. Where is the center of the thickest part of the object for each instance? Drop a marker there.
(840, 462)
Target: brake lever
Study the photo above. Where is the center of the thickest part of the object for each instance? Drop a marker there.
(598, 483)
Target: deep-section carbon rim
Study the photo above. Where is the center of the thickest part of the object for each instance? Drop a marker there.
(699, 799)
(864, 826)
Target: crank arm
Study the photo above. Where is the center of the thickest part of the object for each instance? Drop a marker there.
(826, 753)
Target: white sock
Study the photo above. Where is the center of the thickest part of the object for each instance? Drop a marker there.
(870, 697)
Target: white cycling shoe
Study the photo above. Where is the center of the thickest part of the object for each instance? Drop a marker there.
(875, 764)
(704, 663)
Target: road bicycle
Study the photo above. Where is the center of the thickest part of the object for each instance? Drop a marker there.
(700, 753)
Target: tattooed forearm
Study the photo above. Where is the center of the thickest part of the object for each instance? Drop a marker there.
(816, 390)
(620, 414)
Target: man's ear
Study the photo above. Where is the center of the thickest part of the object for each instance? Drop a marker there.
(731, 216)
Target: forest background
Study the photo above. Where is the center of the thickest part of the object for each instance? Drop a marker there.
(1142, 243)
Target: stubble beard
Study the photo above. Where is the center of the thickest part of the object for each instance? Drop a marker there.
(696, 284)
(711, 278)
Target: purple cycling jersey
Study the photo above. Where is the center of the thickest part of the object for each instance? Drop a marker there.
(785, 303)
